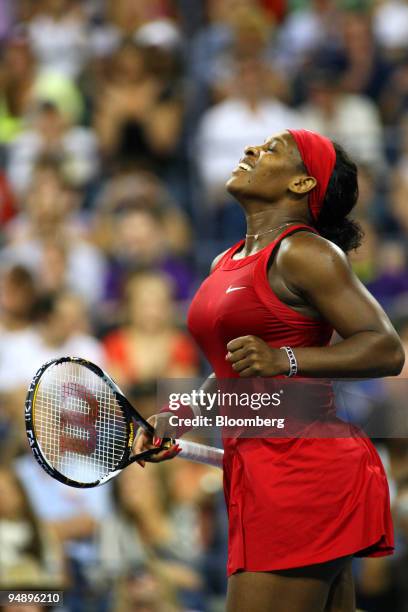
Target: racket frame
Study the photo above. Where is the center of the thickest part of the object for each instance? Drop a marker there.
(131, 416)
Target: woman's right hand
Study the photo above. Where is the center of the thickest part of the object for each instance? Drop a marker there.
(145, 440)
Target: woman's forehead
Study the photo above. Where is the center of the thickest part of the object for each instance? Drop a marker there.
(281, 137)
(287, 144)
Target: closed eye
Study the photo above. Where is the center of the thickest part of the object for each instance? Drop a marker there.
(271, 146)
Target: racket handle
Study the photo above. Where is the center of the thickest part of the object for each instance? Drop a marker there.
(200, 453)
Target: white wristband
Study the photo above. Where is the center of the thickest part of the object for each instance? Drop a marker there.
(293, 366)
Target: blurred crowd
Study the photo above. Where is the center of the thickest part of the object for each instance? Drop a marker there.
(120, 121)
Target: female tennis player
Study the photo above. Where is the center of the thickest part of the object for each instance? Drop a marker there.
(299, 509)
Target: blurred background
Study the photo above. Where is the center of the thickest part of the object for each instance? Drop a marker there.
(120, 121)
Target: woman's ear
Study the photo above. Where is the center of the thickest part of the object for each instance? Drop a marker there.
(302, 185)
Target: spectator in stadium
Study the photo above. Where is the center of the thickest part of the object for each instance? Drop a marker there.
(149, 345)
(129, 187)
(137, 115)
(63, 326)
(50, 211)
(18, 297)
(49, 133)
(139, 241)
(30, 554)
(21, 86)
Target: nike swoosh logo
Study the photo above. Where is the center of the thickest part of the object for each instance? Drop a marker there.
(230, 289)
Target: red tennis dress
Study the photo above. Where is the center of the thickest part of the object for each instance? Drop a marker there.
(291, 502)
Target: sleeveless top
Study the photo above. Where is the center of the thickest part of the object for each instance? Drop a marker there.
(237, 300)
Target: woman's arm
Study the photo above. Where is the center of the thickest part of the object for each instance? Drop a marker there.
(319, 273)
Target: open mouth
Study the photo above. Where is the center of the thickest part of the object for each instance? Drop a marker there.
(245, 166)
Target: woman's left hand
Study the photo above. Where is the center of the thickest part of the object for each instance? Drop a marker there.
(251, 356)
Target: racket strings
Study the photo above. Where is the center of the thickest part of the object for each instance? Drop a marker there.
(78, 422)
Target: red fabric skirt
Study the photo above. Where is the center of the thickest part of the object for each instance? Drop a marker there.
(300, 501)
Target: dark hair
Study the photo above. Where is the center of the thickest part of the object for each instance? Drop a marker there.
(341, 197)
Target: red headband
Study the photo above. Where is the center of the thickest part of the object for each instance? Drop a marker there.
(319, 156)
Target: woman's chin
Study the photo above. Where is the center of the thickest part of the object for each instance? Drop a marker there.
(235, 183)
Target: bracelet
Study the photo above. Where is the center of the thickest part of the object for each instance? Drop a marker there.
(293, 366)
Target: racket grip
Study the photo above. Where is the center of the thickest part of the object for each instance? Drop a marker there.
(200, 453)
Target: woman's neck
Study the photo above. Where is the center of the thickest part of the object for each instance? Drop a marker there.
(264, 226)
(262, 221)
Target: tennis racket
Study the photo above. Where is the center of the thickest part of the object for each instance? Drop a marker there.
(81, 427)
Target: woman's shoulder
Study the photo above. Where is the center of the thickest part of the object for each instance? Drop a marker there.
(306, 254)
(303, 244)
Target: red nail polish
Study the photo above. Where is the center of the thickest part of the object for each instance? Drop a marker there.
(157, 441)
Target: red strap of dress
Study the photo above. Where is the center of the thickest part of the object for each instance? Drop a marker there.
(293, 228)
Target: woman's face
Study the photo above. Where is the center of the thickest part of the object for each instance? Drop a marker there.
(266, 171)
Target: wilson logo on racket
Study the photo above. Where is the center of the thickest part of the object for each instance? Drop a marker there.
(78, 427)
